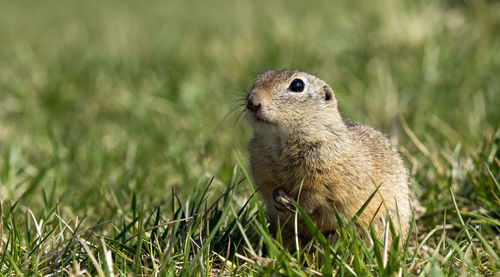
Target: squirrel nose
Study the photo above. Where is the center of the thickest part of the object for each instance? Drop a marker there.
(253, 106)
(257, 98)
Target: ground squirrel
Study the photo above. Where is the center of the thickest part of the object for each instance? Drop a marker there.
(301, 141)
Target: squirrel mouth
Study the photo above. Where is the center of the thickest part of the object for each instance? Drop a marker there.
(255, 117)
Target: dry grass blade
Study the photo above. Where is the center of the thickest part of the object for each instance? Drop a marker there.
(96, 264)
(414, 138)
(386, 243)
(108, 258)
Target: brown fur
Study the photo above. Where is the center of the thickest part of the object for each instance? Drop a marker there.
(300, 139)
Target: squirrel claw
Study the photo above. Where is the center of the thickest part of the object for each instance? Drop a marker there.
(282, 201)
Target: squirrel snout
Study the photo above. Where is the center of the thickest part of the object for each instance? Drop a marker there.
(256, 98)
(253, 106)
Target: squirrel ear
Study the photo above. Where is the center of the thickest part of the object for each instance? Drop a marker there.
(328, 93)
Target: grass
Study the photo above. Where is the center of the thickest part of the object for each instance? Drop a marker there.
(120, 132)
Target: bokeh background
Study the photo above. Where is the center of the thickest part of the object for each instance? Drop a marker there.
(101, 99)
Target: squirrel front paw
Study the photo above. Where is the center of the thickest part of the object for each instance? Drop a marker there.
(282, 202)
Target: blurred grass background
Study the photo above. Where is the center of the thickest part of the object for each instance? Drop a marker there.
(99, 99)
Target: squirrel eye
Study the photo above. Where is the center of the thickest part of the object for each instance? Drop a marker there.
(296, 85)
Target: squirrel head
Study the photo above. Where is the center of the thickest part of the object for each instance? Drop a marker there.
(284, 102)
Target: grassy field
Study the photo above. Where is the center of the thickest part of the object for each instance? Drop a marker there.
(123, 151)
